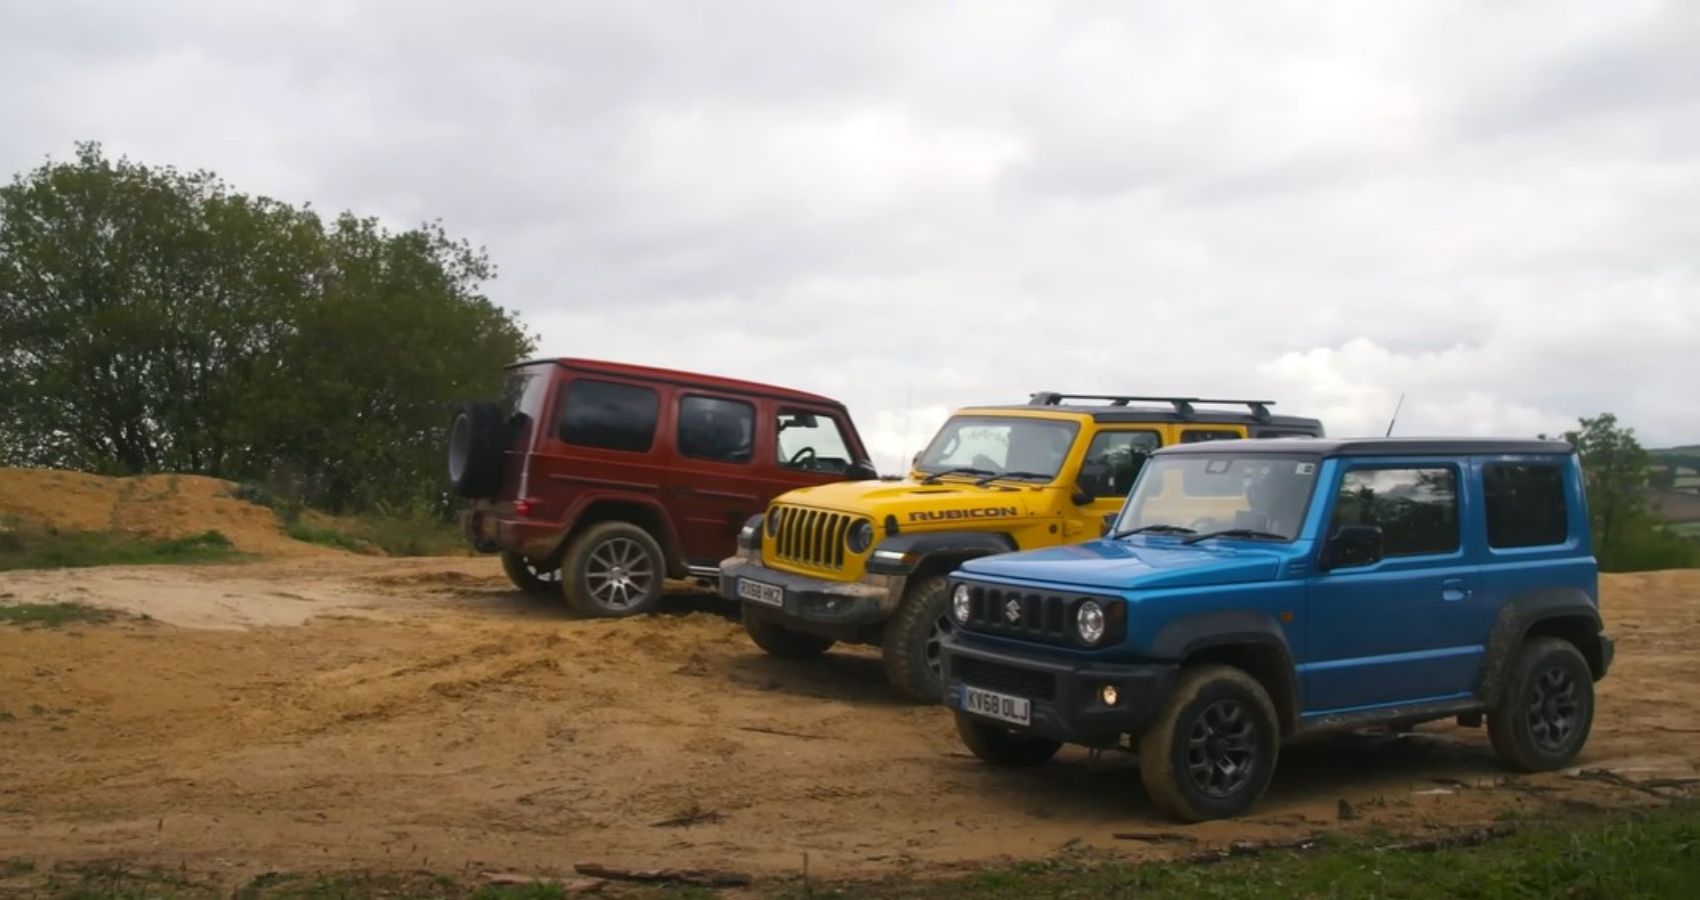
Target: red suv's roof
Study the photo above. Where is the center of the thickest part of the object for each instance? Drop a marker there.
(676, 376)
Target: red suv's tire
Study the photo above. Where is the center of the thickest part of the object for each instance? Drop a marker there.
(613, 569)
(477, 442)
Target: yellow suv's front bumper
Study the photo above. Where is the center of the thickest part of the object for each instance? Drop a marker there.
(841, 610)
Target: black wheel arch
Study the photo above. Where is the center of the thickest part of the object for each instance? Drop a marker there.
(649, 516)
(935, 552)
(1249, 640)
(1567, 613)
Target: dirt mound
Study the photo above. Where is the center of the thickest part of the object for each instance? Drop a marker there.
(163, 506)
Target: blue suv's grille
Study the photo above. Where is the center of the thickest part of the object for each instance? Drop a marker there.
(1034, 615)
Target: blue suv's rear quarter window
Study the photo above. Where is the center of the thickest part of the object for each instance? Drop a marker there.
(1525, 504)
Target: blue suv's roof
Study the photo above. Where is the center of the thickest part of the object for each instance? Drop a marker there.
(1375, 446)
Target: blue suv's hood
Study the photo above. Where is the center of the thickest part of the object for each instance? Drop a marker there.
(1118, 565)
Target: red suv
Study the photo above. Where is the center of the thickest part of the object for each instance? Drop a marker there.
(599, 479)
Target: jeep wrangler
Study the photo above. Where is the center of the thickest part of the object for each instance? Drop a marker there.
(866, 563)
(1252, 591)
(597, 479)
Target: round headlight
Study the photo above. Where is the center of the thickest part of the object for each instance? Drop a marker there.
(1090, 620)
(960, 604)
(773, 521)
(860, 537)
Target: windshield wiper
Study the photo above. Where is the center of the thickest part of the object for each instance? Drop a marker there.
(933, 477)
(994, 476)
(1159, 528)
(1251, 533)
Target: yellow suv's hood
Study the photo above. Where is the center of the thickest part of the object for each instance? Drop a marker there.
(917, 506)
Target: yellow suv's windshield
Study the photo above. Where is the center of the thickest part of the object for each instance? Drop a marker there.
(999, 446)
(1256, 497)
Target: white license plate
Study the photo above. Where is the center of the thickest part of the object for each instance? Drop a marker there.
(992, 705)
(765, 594)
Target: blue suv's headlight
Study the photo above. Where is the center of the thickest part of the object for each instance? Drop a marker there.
(1090, 622)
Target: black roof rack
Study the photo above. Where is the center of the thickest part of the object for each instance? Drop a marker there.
(1183, 405)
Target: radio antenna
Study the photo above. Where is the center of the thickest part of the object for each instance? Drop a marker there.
(1396, 408)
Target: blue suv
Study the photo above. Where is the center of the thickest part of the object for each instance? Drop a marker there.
(1251, 591)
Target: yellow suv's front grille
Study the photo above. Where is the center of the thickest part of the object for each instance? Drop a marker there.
(811, 537)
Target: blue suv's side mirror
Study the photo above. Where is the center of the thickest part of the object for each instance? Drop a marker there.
(1353, 545)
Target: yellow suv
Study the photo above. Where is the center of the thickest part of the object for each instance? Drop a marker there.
(865, 562)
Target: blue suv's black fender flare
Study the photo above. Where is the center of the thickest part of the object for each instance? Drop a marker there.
(921, 547)
(1520, 615)
(1227, 629)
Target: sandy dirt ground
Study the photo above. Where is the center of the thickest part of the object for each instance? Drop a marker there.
(333, 712)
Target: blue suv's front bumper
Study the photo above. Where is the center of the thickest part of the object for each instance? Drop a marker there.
(1065, 695)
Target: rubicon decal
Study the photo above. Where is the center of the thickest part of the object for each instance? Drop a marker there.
(982, 512)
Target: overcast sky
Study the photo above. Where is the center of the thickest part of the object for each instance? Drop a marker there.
(1492, 207)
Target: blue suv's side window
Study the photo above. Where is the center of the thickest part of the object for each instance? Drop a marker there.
(1415, 508)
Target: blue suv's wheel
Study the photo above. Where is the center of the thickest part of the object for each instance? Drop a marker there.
(1210, 752)
(1544, 717)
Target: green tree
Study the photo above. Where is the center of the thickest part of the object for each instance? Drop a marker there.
(157, 320)
(1616, 474)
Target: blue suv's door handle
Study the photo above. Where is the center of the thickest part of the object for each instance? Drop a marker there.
(1453, 590)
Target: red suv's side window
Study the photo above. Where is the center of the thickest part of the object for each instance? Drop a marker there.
(716, 430)
(608, 415)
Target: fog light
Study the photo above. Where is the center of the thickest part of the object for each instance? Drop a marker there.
(1108, 694)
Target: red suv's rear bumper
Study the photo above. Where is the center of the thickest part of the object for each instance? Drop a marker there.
(490, 530)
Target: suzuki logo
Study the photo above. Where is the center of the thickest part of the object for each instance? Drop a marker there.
(1012, 611)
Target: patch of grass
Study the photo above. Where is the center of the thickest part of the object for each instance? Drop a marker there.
(325, 537)
(53, 615)
(1653, 854)
(1649, 854)
(7, 715)
(25, 548)
(379, 533)
(410, 535)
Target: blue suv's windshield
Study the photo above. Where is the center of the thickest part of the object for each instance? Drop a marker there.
(1253, 497)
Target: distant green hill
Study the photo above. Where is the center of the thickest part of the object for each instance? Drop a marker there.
(1684, 450)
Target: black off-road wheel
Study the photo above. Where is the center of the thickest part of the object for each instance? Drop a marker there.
(533, 578)
(1210, 751)
(612, 570)
(1547, 710)
(913, 643)
(1002, 747)
(786, 643)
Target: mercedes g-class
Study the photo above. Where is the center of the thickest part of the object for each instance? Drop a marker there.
(598, 479)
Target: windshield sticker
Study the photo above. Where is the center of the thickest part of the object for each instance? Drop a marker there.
(1304, 468)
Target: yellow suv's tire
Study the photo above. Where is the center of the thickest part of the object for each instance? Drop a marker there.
(784, 643)
(1210, 751)
(910, 645)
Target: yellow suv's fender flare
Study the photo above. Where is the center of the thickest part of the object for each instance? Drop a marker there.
(906, 554)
